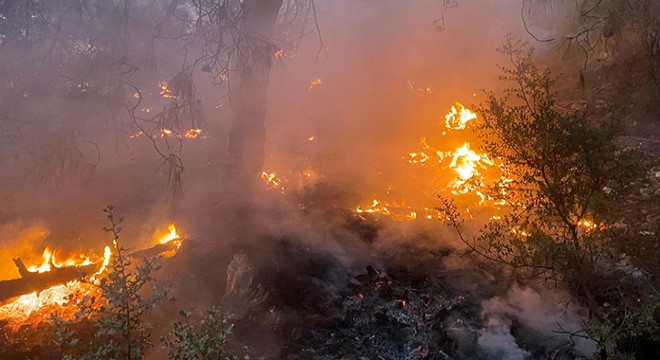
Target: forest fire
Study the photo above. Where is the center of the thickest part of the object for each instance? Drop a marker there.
(345, 205)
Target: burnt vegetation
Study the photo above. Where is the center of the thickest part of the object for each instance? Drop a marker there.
(557, 258)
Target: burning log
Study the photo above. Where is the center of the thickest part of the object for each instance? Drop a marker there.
(165, 250)
(40, 281)
(167, 246)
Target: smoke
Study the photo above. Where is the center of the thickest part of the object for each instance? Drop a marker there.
(546, 315)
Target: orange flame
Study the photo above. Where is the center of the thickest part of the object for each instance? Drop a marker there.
(172, 235)
(458, 117)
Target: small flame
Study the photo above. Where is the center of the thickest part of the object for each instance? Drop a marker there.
(46, 264)
(588, 225)
(458, 117)
(172, 235)
(107, 253)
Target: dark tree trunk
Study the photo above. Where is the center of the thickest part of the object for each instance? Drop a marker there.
(249, 87)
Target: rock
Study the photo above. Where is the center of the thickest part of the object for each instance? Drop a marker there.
(242, 294)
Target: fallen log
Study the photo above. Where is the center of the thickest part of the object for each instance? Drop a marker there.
(35, 281)
(167, 249)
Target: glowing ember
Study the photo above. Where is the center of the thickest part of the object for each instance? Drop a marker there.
(588, 225)
(193, 133)
(165, 91)
(272, 181)
(521, 233)
(309, 173)
(314, 83)
(396, 212)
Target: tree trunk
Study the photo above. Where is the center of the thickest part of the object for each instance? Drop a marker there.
(249, 87)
